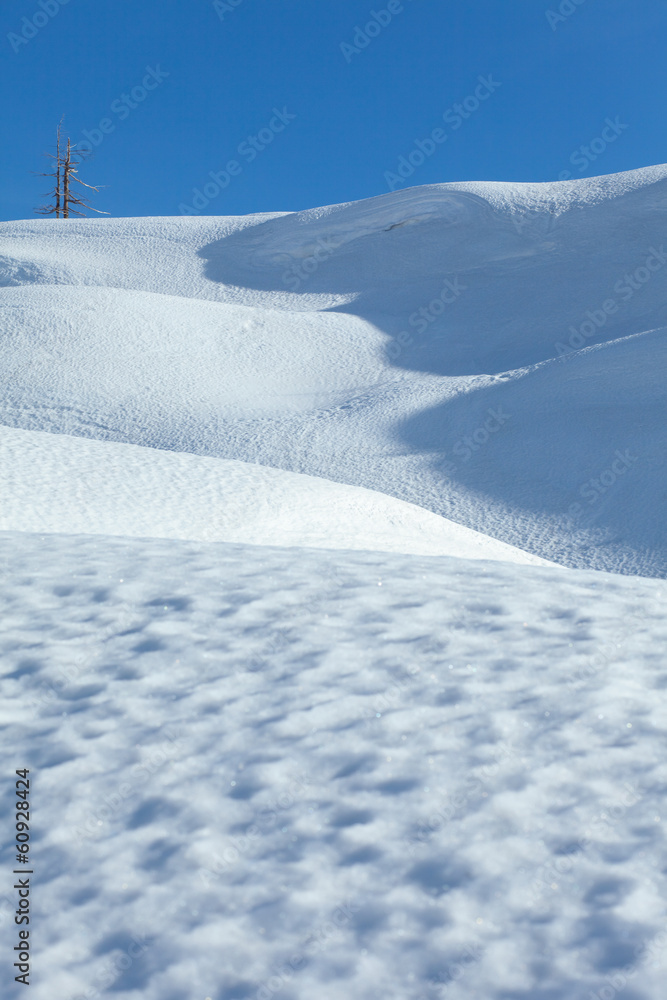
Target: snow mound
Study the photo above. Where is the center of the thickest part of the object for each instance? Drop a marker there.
(489, 352)
(148, 365)
(54, 483)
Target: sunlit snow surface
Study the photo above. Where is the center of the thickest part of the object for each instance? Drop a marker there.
(55, 483)
(283, 741)
(366, 762)
(206, 335)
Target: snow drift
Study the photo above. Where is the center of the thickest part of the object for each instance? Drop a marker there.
(485, 351)
(56, 483)
(264, 765)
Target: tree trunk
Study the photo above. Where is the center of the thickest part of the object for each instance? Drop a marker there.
(66, 172)
(58, 172)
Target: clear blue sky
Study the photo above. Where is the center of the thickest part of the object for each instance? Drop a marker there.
(357, 110)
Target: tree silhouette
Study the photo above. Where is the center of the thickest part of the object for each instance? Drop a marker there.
(66, 164)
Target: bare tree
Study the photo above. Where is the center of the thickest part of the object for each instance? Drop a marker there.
(66, 167)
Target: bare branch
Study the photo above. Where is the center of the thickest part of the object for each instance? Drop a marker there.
(92, 188)
(66, 164)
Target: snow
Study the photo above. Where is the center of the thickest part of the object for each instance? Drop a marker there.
(189, 335)
(55, 483)
(231, 744)
(308, 709)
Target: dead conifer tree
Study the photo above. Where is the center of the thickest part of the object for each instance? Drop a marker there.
(66, 164)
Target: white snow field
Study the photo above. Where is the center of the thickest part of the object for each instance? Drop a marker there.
(286, 340)
(262, 772)
(56, 483)
(308, 712)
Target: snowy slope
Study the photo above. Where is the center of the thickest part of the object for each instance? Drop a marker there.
(287, 340)
(55, 483)
(263, 767)
(336, 775)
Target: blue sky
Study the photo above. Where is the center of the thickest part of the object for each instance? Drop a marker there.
(290, 107)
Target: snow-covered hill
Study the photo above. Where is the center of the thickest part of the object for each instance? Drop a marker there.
(264, 764)
(490, 352)
(55, 483)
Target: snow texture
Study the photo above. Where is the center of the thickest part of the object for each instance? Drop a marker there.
(307, 710)
(286, 340)
(413, 776)
(53, 483)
